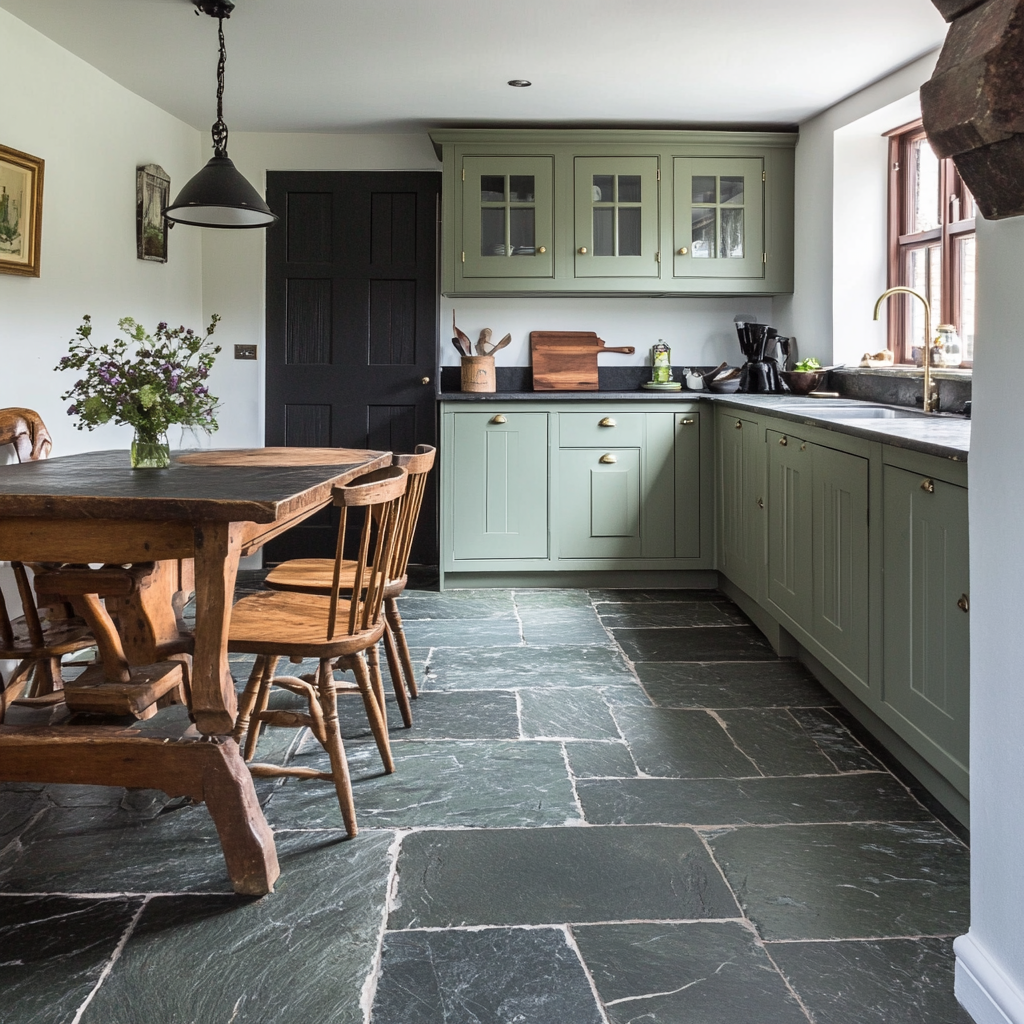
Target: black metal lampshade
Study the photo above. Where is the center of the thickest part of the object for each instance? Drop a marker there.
(219, 196)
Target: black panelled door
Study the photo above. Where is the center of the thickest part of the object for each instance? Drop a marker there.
(352, 325)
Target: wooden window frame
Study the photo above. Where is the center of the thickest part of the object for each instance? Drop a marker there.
(952, 190)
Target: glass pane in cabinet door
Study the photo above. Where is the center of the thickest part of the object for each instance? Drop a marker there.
(703, 244)
(492, 188)
(967, 251)
(732, 232)
(492, 231)
(604, 231)
(522, 230)
(629, 231)
(732, 189)
(520, 188)
(705, 188)
(604, 188)
(629, 188)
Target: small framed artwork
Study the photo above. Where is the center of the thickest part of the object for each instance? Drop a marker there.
(152, 193)
(21, 212)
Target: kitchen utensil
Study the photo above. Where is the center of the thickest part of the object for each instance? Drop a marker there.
(708, 377)
(461, 350)
(760, 344)
(483, 345)
(567, 360)
(467, 345)
(501, 344)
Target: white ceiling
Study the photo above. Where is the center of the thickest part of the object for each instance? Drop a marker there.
(392, 65)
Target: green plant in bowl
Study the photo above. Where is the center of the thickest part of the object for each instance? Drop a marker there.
(808, 365)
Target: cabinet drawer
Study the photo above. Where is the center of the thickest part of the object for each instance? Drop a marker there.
(600, 430)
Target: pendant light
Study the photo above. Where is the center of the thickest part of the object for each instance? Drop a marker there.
(219, 196)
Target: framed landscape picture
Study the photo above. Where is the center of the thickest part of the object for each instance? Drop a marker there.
(21, 212)
(153, 191)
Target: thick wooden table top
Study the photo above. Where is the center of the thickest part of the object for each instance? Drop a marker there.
(259, 485)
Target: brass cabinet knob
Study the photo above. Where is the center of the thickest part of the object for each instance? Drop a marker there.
(928, 485)
(739, 424)
(499, 419)
(607, 422)
(683, 251)
(803, 447)
(784, 441)
(425, 380)
(608, 458)
(542, 249)
(760, 502)
(688, 422)
(582, 250)
(963, 604)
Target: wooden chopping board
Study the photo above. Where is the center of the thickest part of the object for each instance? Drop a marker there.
(567, 360)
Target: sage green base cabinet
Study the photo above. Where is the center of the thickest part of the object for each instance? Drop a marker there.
(548, 212)
(541, 486)
(740, 466)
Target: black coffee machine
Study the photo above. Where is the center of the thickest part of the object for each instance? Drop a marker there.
(760, 373)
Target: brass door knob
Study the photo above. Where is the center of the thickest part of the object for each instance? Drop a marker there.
(607, 422)
(963, 604)
(686, 422)
(542, 249)
(499, 419)
(582, 250)
(683, 251)
(425, 380)
(739, 424)
(928, 485)
(784, 441)
(760, 502)
(608, 458)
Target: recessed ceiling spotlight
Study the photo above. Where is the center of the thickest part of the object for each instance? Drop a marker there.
(520, 83)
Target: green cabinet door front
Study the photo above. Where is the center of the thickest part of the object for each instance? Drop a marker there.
(599, 504)
(740, 459)
(499, 487)
(926, 647)
(718, 217)
(507, 217)
(687, 484)
(840, 557)
(790, 468)
(617, 217)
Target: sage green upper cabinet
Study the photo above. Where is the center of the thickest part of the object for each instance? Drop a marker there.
(718, 218)
(617, 217)
(507, 217)
(598, 212)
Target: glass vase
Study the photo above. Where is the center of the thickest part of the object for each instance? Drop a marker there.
(150, 452)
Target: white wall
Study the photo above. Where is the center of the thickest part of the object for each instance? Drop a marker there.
(990, 959)
(92, 133)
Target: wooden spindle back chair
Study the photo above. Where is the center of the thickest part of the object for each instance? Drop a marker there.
(335, 629)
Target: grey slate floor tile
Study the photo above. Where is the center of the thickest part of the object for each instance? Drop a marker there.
(571, 713)
(735, 684)
(671, 613)
(505, 668)
(456, 604)
(721, 643)
(775, 741)
(554, 628)
(462, 633)
(711, 973)
(600, 760)
(493, 976)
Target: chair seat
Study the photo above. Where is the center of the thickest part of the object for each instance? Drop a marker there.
(282, 621)
(317, 575)
(60, 637)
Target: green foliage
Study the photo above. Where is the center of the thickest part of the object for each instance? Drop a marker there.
(808, 365)
(160, 383)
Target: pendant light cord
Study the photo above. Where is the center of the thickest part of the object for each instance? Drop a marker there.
(220, 129)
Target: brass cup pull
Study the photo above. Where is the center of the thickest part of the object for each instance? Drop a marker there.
(425, 380)
(963, 604)
(499, 419)
(542, 249)
(608, 458)
(760, 502)
(739, 424)
(607, 422)
(784, 441)
(928, 485)
(683, 251)
(582, 250)
(687, 422)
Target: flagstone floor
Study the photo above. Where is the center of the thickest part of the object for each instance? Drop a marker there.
(614, 807)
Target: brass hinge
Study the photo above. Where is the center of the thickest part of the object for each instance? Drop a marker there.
(463, 255)
(659, 174)
(657, 257)
(764, 257)
(764, 176)
(463, 173)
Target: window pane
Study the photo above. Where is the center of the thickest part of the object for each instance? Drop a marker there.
(629, 231)
(703, 245)
(492, 231)
(732, 232)
(966, 259)
(521, 229)
(917, 278)
(604, 231)
(704, 190)
(520, 188)
(732, 190)
(604, 188)
(492, 188)
(925, 165)
(934, 292)
(629, 188)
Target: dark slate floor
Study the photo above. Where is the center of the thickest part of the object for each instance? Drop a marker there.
(614, 807)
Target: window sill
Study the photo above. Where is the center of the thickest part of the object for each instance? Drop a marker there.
(938, 373)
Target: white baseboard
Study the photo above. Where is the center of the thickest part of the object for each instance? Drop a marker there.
(984, 991)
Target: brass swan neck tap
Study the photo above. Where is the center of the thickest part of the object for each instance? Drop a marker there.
(931, 400)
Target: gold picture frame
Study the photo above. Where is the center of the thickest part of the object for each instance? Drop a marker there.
(21, 212)
(152, 197)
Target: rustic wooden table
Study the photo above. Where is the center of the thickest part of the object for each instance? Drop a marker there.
(213, 506)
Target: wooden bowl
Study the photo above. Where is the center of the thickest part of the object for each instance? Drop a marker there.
(803, 382)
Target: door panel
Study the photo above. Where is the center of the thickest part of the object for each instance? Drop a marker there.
(599, 507)
(790, 463)
(352, 325)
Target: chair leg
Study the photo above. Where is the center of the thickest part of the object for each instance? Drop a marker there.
(394, 621)
(395, 668)
(263, 698)
(378, 726)
(13, 689)
(247, 701)
(335, 748)
(376, 679)
(46, 677)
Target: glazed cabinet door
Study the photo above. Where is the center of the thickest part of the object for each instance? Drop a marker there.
(790, 470)
(840, 557)
(718, 218)
(617, 216)
(499, 485)
(599, 507)
(740, 457)
(926, 647)
(507, 217)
